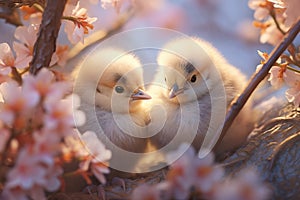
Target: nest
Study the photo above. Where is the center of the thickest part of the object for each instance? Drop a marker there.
(273, 148)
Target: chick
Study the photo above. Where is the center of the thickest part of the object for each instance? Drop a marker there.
(199, 86)
(110, 84)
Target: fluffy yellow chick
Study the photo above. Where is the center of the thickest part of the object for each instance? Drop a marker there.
(194, 86)
(110, 84)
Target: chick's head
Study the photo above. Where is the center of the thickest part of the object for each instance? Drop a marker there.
(186, 68)
(118, 78)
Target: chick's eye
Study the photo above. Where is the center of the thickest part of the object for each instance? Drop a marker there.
(193, 78)
(166, 79)
(119, 89)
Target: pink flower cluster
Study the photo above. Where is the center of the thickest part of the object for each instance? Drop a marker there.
(23, 48)
(246, 185)
(189, 176)
(36, 123)
(78, 22)
(281, 74)
(275, 17)
(271, 14)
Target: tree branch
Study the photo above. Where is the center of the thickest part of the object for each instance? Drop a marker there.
(238, 103)
(45, 45)
(11, 16)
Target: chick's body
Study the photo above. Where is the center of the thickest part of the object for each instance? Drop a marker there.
(110, 84)
(193, 72)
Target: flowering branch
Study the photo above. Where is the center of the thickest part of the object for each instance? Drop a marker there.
(46, 42)
(256, 78)
(291, 47)
(273, 15)
(98, 36)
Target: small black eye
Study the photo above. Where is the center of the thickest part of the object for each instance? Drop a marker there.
(119, 89)
(193, 78)
(166, 79)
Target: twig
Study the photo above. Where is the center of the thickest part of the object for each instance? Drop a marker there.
(273, 15)
(101, 35)
(11, 16)
(16, 75)
(45, 45)
(256, 78)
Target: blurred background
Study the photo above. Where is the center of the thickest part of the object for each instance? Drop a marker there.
(225, 24)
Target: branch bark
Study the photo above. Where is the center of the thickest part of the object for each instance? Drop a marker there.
(46, 42)
(11, 16)
(256, 78)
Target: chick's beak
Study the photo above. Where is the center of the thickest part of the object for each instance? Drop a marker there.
(175, 91)
(140, 95)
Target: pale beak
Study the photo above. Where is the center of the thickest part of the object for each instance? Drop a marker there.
(175, 91)
(140, 95)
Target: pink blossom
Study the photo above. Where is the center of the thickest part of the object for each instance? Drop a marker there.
(26, 173)
(180, 178)
(261, 12)
(59, 116)
(292, 11)
(253, 4)
(24, 48)
(4, 78)
(16, 101)
(45, 86)
(35, 169)
(13, 194)
(37, 178)
(207, 175)
(32, 14)
(7, 60)
(52, 178)
(72, 145)
(96, 155)
(190, 171)
(262, 7)
(277, 75)
(79, 24)
(46, 146)
(293, 93)
(271, 34)
(264, 56)
(145, 192)
(41, 83)
(246, 186)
